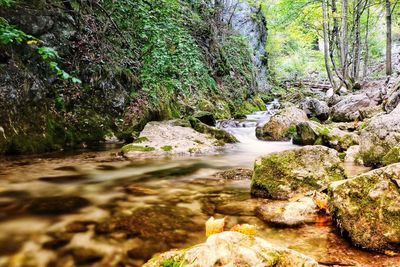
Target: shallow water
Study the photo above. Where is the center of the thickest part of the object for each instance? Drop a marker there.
(98, 209)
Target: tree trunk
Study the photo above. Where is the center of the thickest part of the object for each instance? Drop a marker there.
(357, 41)
(388, 38)
(344, 42)
(366, 57)
(326, 44)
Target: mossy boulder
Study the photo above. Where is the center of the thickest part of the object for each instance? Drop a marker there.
(367, 208)
(310, 133)
(285, 174)
(379, 137)
(205, 117)
(216, 133)
(232, 249)
(279, 126)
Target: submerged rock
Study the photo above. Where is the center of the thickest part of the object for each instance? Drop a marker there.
(232, 249)
(380, 138)
(235, 174)
(367, 208)
(310, 133)
(279, 126)
(283, 213)
(57, 205)
(159, 223)
(285, 174)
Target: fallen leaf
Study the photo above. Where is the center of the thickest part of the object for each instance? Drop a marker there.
(214, 226)
(246, 229)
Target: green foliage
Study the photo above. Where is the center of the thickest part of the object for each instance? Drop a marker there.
(171, 263)
(6, 3)
(9, 34)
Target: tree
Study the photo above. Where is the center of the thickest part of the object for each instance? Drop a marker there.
(388, 38)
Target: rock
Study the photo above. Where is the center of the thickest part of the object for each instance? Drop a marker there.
(283, 213)
(380, 136)
(315, 108)
(348, 109)
(158, 223)
(285, 174)
(352, 155)
(56, 205)
(218, 134)
(236, 13)
(279, 126)
(367, 208)
(205, 117)
(232, 249)
(174, 138)
(369, 112)
(235, 174)
(313, 133)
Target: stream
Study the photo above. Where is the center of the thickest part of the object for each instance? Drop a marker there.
(95, 208)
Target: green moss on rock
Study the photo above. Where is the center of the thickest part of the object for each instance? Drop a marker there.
(132, 147)
(284, 174)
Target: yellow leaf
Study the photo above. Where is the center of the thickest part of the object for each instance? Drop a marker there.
(391, 253)
(280, 210)
(246, 229)
(214, 226)
(296, 197)
(31, 42)
(321, 200)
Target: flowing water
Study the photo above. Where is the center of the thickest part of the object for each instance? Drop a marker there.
(98, 209)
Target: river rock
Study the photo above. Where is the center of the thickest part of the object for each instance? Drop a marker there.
(310, 133)
(235, 174)
(232, 249)
(283, 213)
(174, 138)
(57, 205)
(279, 126)
(348, 109)
(315, 108)
(288, 173)
(381, 138)
(352, 155)
(367, 208)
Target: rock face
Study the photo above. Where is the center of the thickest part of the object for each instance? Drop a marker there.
(232, 249)
(279, 126)
(310, 133)
(249, 21)
(348, 109)
(285, 174)
(315, 108)
(367, 208)
(168, 138)
(378, 139)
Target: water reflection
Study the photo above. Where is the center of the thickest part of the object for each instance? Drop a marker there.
(96, 209)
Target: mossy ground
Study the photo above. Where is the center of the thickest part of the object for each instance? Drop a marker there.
(132, 147)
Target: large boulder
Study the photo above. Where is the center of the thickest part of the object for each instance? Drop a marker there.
(315, 108)
(177, 138)
(285, 174)
(232, 249)
(348, 109)
(381, 138)
(313, 133)
(278, 128)
(367, 208)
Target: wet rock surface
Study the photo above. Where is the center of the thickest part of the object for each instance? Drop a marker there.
(56, 205)
(315, 108)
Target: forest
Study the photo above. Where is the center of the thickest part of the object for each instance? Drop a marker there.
(172, 133)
